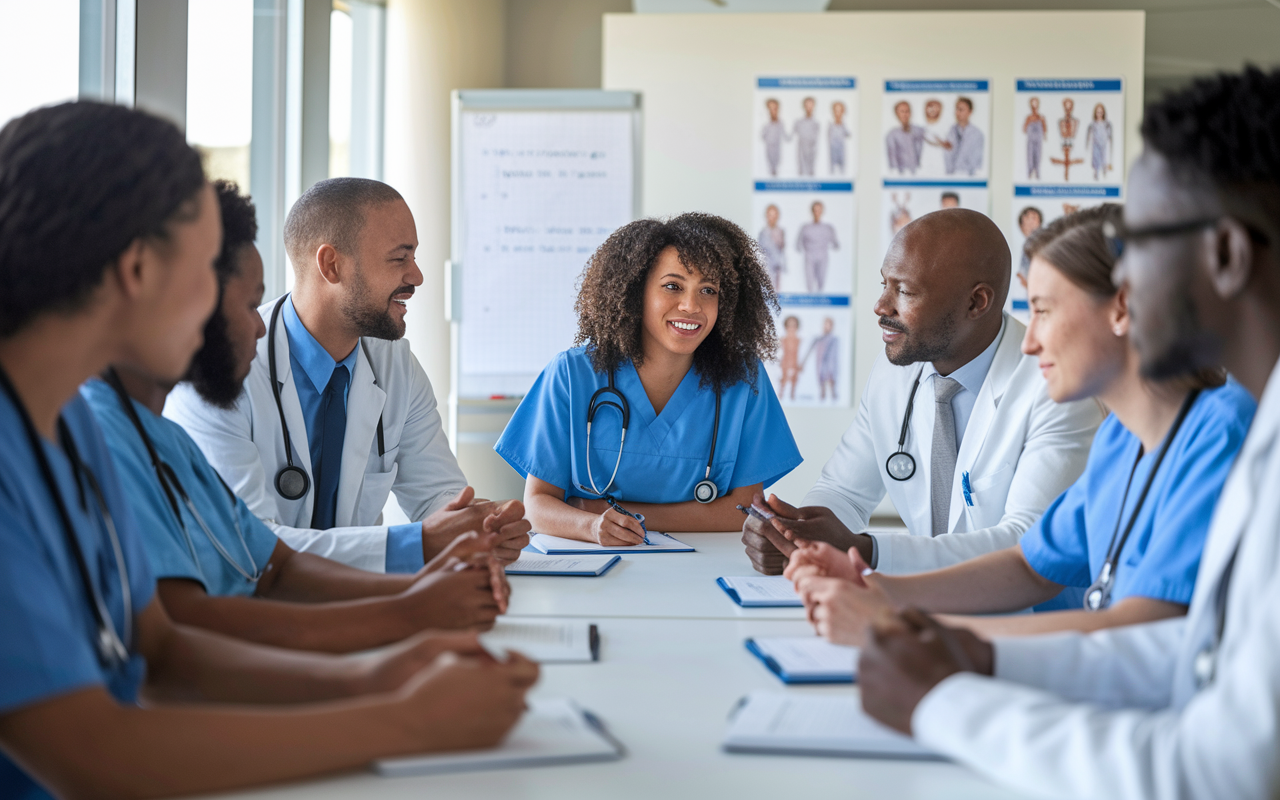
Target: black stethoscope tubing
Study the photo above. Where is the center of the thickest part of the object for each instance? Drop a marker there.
(900, 465)
(291, 481)
(1098, 595)
(113, 649)
(705, 491)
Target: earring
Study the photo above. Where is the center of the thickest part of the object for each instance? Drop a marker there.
(1118, 331)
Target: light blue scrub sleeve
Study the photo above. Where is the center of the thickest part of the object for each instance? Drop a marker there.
(766, 450)
(1056, 546)
(404, 548)
(537, 440)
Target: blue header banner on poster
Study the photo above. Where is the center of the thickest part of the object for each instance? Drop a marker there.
(1066, 191)
(787, 299)
(935, 86)
(807, 83)
(909, 183)
(1070, 85)
(804, 186)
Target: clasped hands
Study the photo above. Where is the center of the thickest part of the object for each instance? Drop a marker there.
(904, 652)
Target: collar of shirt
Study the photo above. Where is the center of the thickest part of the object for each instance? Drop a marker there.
(971, 377)
(306, 353)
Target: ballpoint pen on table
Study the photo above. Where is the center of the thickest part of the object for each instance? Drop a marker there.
(637, 517)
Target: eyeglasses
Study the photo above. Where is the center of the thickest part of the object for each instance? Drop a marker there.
(1117, 234)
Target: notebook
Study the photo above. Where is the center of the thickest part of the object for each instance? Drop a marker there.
(761, 591)
(806, 659)
(541, 564)
(552, 731)
(547, 641)
(556, 546)
(814, 725)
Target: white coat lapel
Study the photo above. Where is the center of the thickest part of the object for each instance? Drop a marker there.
(365, 400)
(297, 426)
(1008, 356)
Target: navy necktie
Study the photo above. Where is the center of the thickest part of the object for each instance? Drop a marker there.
(333, 426)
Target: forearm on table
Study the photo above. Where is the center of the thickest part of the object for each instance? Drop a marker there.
(719, 515)
(553, 516)
(1130, 611)
(309, 578)
(997, 582)
(85, 744)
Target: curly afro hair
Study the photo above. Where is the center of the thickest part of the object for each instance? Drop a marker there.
(239, 227)
(1226, 127)
(610, 303)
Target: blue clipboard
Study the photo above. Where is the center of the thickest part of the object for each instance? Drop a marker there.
(608, 566)
(793, 680)
(733, 595)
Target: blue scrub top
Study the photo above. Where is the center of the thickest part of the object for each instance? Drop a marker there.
(47, 628)
(1068, 545)
(163, 538)
(665, 454)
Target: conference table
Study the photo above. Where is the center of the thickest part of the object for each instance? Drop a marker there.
(672, 668)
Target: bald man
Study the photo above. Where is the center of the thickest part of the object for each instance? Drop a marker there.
(955, 423)
(336, 413)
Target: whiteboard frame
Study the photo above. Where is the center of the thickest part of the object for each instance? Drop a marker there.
(463, 100)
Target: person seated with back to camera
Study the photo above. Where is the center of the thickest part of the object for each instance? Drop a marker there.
(336, 413)
(954, 424)
(666, 406)
(1129, 532)
(217, 565)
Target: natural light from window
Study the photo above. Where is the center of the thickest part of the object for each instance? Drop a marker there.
(340, 45)
(220, 85)
(39, 54)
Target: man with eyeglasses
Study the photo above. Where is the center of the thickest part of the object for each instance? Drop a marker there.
(1186, 707)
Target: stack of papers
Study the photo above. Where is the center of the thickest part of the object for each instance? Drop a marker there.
(581, 566)
(557, 546)
(799, 724)
(552, 731)
(761, 591)
(806, 659)
(547, 641)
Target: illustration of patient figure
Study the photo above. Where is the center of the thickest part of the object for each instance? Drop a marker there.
(774, 134)
(1099, 136)
(826, 354)
(1068, 126)
(790, 361)
(773, 243)
(904, 142)
(935, 134)
(965, 144)
(1029, 221)
(899, 214)
(950, 200)
(806, 131)
(837, 134)
(1035, 127)
(816, 240)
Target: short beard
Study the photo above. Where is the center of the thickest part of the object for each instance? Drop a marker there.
(1188, 351)
(368, 321)
(213, 369)
(933, 348)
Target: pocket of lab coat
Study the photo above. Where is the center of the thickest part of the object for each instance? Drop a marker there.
(374, 493)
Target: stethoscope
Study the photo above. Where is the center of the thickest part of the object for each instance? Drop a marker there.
(901, 466)
(171, 485)
(292, 482)
(704, 492)
(113, 649)
(1098, 595)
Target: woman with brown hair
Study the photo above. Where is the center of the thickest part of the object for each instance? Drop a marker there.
(665, 405)
(1125, 540)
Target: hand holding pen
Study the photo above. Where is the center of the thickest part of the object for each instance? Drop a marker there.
(613, 504)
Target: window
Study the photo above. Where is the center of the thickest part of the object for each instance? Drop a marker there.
(220, 85)
(39, 55)
(340, 38)
(357, 34)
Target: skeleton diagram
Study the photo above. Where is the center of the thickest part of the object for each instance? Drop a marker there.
(1068, 127)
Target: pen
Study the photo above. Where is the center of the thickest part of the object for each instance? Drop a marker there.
(638, 517)
(764, 515)
(968, 489)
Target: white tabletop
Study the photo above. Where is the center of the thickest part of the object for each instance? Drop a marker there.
(665, 686)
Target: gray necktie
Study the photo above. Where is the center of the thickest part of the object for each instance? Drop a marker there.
(944, 451)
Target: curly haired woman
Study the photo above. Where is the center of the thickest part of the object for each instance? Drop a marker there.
(675, 316)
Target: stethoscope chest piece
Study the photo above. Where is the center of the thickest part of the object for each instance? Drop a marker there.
(292, 483)
(706, 491)
(900, 466)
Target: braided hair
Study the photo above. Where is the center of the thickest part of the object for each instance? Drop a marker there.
(610, 303)
(80, 182)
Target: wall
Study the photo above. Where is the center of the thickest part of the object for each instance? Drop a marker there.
(697, 74)
(556, 44)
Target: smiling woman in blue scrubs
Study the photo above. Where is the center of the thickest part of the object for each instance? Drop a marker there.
(675, 316)
(1125, 539)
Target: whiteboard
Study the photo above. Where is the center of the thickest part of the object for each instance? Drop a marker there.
(540, 181)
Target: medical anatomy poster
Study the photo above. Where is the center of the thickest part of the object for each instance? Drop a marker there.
(804, 157)
(935, 149)
(1068, 154)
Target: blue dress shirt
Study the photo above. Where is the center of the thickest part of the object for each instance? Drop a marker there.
(312, 367)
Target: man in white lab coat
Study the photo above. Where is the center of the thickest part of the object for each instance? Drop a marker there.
(1188, 707)
(351, 416)
(955, 423)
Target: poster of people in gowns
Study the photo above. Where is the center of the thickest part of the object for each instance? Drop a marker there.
(1068, 154)
(935, 150)
(804, 159)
